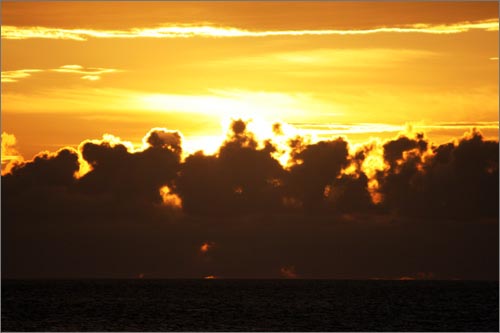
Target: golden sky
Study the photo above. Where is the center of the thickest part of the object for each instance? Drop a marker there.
(74, 71)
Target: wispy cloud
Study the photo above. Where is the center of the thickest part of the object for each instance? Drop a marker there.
(322, 129)
(188, 30)
(315, 62)
(90, 73)
(16, 75)
(339, 128)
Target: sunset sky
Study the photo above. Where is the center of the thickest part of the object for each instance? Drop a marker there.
(73, 71)
(376, 115)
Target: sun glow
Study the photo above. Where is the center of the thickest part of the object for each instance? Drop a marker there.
(233, 103)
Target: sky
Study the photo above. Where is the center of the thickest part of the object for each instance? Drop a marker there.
(308, 134)
(322, 67)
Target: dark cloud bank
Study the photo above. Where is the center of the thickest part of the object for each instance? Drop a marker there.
(438, 216)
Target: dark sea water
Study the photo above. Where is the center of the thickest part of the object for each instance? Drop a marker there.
(248, 305)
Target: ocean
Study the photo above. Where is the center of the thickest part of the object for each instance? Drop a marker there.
(249, 305)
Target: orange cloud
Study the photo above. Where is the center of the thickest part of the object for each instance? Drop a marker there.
(406, 278)
(418, 276)
(169, 198)
(206, 246)
(288, 272)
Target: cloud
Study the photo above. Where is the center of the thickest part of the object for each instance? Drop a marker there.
(47, 169)
(418, 276)
(406, 278)
(70, 68)
(326, 129)
(169, 198)
(315, 62)
(10, 154)
(227, 177)
(394, 149)
(438, 210)
(288, 272)
(16, 75)
(453, 180)
(91, 77)
(135, 176)
(163, 138)
(188, 31)
(206, 246)
(315, 167)
(90, 73)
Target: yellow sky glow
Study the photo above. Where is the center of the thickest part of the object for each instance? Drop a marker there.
(327, 69)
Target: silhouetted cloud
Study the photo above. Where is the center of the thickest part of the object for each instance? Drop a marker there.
(45, 170)
(147, 211)
(394, 149)
(132, 175)
(455, 180)
(162, 138)
(349, 193)
(315, 167)
(243, 178)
